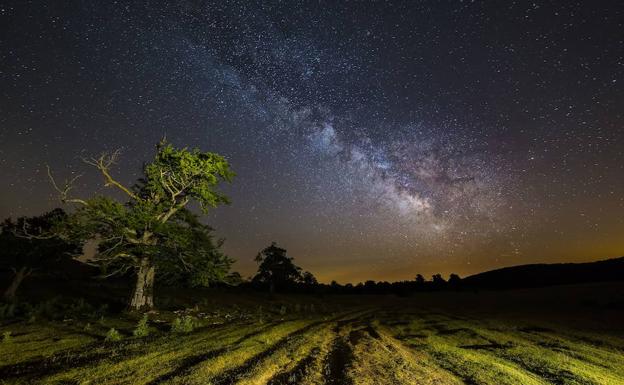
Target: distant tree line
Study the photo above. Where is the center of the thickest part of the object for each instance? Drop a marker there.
(278, 272)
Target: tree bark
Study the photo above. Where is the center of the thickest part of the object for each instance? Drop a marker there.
(143, 296)
(271, 289)
(9, 293)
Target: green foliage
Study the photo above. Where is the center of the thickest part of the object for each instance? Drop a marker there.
(192, 172)
(142, 328)
(113, 335)
(58, 308)
(196, 259)
(186, 324)
(153, 227)
(7, 337)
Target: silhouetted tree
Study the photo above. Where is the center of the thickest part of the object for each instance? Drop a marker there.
(234, 279)
(437, 281)
(276, 268)
(370, 286)
(454, 280)
(309, 279)
(29, 244)
(437, 278)
(420, 280)
(152, 229)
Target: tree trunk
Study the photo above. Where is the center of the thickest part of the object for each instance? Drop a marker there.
(9, 293)
(271, 289)
(143, 297)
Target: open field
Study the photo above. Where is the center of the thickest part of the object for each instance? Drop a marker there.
(434, 338)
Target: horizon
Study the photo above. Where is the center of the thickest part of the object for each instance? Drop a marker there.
(372, 141)
(445, 275)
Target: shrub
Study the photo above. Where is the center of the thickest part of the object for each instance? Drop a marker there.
(183, 325)
(260, 315)
(7, 310)
(113, 335)
(142, 328)
(7, 337)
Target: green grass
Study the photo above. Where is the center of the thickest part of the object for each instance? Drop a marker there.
(385, 341)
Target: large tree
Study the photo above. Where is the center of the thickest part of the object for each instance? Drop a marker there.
(152, 229)
(28, 244)
(202, 261)
(276, 268)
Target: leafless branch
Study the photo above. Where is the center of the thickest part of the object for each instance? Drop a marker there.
(103, 163)
(64, 192)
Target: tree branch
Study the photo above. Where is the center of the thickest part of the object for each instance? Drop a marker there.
(64, 192)
(103, 163)
(165, 217)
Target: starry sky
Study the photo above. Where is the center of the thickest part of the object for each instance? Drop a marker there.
(373, 140)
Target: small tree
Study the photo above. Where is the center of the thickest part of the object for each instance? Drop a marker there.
(29, 244)
(276, 268)
(309, 279)
(152, 229)
(437, 281)
(454, 279)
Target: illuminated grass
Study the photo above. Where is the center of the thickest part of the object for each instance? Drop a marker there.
(479, 353)
(364, 347)
(381, 359)
(30, 342)
(147, 362)
(207, 371)
(285, 359)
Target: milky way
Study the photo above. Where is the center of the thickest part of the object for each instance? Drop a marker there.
(371, 140)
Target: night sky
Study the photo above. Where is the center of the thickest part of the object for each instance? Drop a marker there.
(371, 140)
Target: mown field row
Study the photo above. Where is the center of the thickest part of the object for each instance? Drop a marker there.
(356, 347)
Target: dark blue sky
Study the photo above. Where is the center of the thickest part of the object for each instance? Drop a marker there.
(372, 140)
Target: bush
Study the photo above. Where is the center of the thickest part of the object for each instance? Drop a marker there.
(7, 337)
(59, 308)
(260, 315)
(7, 310)
(142, 328)
(113, 335)
(183, 325)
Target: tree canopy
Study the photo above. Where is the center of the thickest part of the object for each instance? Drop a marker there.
(153, 229)
(276, 268)
(29, 243)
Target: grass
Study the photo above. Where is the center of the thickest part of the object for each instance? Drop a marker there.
(376, 341)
